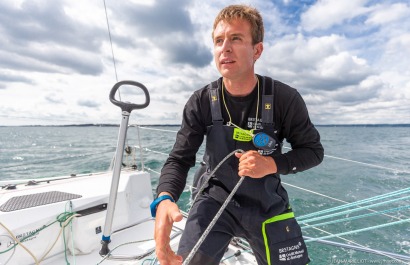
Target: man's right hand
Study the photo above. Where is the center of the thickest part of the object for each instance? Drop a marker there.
(167, 213)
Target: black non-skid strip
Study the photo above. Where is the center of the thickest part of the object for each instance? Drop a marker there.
(37, 199)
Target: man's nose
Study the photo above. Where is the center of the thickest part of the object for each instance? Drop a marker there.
(227, 46)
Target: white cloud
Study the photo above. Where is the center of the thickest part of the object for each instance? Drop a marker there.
(319, 63)
(385, 13)
(347, 58)
(327, 13)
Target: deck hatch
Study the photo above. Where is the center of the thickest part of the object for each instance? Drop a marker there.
(32, 200)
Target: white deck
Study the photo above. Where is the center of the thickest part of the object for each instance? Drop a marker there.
(132, 231)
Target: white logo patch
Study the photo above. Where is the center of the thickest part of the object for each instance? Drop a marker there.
(291, 253)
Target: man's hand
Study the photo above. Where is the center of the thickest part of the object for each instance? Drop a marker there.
(254, 165)
(167, 214)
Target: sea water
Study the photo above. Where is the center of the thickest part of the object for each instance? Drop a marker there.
(361, 162)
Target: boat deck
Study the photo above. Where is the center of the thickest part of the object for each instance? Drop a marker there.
(132, 236)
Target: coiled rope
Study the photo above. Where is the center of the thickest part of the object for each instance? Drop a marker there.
(64, 219)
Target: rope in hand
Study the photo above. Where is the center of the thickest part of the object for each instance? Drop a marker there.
(219, 213)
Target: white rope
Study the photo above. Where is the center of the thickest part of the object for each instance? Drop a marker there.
(38, 261)
(212, 223)
(219, 213)
(20, 243)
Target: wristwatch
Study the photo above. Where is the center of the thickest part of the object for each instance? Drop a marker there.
(155, 203)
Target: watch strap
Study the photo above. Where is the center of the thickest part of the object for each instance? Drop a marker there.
(155, 203)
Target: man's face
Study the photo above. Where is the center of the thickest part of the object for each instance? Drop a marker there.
(234, 52)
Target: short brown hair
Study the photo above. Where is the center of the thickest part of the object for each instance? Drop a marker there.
(247, 13)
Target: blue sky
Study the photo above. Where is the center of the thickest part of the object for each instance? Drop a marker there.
(348, 59)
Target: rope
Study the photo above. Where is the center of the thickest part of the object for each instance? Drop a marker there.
(18, 243)
(219, 213)
(351, 242)
(329, 197)
(357, 217)
(64, 219)
(360, 230)
(121, 245)
(353, 210)
(112, 50)
(70, 205)
(372, 199)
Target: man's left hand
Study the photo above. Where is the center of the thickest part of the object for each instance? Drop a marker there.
(254, 165)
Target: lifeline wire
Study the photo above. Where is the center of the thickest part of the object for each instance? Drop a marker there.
(218, 214)
(333, 157)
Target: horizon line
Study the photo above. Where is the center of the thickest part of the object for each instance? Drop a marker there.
(116, 125)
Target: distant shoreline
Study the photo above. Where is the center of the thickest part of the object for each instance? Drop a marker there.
(173, 125)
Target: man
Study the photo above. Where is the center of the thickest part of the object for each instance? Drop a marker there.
(233, 112)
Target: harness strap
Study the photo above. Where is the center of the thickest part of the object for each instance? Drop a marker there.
(268, 88)
(215, 103)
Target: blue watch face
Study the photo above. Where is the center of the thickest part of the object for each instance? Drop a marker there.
(261, 139)
(265, 143)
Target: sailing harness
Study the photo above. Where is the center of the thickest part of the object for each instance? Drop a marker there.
(260, 140)
(266, 142)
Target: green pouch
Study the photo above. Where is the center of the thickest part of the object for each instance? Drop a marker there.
(283, 240)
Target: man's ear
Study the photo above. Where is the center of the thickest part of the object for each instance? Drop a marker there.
(258, 49)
